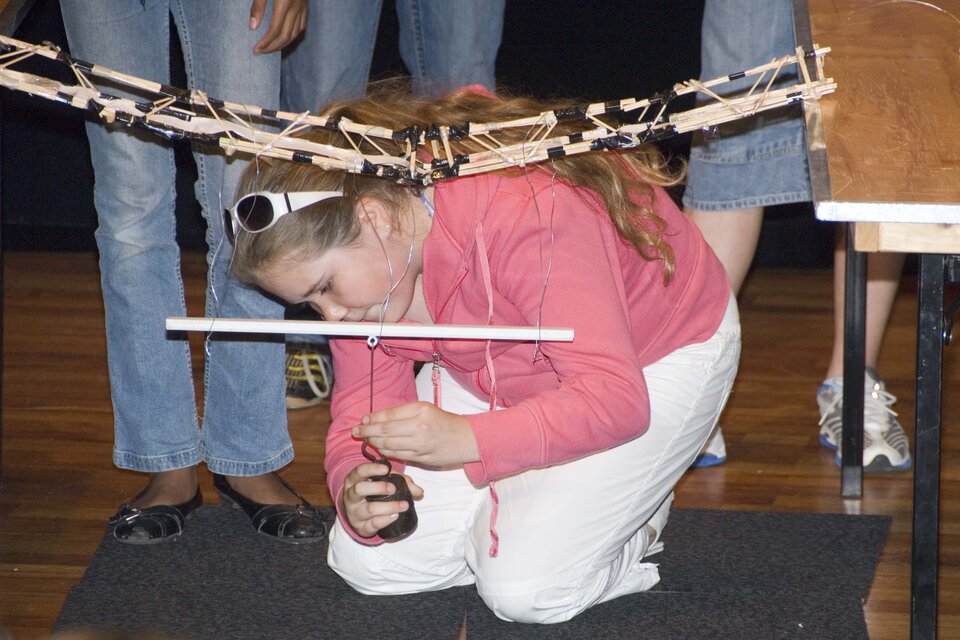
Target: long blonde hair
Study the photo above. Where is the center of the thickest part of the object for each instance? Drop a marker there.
(621, 179)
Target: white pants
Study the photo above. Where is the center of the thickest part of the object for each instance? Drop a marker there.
(571, 535)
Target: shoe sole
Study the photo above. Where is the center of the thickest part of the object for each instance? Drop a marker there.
(707, 460)
(232, 504)
(303, 403)
(879, 464)
(144, 542)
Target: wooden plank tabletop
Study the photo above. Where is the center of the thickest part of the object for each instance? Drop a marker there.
(891, 131)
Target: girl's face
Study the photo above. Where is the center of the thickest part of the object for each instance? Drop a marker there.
(351, 283)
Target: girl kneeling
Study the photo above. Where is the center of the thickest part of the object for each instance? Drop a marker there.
(545, 475)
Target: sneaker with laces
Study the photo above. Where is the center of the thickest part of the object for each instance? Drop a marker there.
(713, 452)
(885, 444)
(309, 374)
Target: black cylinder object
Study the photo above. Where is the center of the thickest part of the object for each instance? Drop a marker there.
(407, 520)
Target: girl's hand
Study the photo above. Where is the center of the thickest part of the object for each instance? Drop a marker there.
(367, 518)
(420, 432)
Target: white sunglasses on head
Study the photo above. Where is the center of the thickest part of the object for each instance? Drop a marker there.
(258, 211)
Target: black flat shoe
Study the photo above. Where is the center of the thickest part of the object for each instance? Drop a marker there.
(150, 525)
(294, 524)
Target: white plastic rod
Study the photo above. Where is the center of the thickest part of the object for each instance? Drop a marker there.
(367, 329)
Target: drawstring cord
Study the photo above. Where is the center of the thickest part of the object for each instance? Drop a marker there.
(488, 284)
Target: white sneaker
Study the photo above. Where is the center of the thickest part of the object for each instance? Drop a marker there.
(713, 452)
(885, 444)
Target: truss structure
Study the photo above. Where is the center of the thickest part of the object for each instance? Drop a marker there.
(176, 113)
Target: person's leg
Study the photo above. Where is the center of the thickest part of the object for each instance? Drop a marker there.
(576, 534)
(885, 443)
(150, 376)
(429, 559)
(244, 419)
(751, 163)
(331, 61)
(884, 271)
(600, 524)
(432, 557)
(733, 237)
(447, 44)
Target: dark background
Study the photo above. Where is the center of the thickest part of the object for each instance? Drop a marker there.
(588, 51)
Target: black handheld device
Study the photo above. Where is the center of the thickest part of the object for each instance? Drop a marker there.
(407, 520)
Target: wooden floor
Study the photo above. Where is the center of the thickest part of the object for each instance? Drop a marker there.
(59, 485)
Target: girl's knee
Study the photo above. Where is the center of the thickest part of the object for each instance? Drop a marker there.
(386, 570)
(361, 576)
(542, 606)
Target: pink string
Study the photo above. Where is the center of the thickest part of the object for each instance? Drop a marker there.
(488, 284)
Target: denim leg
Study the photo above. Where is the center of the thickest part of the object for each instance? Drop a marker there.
(756, 161)
(332, 60)
(447, 44)
(744, 34)
(244, 422)
(150, 376)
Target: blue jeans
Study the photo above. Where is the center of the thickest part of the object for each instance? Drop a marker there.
(761, 160)
(445, 44)
(156, 425)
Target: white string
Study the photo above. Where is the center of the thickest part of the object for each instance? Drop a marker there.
(394, 283)
(545, 277)
(294, 127)
(929, 5)
(213, 217)
(374, 339)
(920, 3)
(212, 220)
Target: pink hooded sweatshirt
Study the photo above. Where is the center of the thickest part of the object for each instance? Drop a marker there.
(518, 250)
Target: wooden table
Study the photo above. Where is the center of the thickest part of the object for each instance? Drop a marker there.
(884, 155)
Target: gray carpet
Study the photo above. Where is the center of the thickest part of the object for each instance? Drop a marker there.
(724, 574)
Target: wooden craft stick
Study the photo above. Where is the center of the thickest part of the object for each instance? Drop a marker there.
(250, 129)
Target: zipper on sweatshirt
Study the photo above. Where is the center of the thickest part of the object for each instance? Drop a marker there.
(435, 377)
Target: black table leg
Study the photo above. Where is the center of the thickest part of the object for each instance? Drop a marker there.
(854, 339)
(926, 452)
(1, 344)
